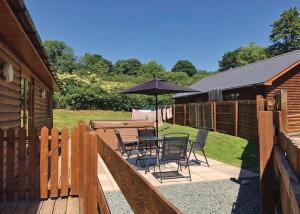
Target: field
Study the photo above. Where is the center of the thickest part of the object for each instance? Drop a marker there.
(225, 148)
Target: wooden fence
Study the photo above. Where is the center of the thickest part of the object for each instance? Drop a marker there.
(279, 158)
(237, 118)
(18, 165)
(82, 165)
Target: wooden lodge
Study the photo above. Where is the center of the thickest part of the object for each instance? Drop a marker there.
(263, 78)
(26, 80)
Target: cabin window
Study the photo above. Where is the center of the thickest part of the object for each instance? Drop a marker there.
(232, 96)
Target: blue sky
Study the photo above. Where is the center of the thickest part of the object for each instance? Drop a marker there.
(161, 30)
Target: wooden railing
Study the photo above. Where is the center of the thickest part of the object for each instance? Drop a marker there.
(86, 148)
(18, 165)
(237, 118)
(279, 158)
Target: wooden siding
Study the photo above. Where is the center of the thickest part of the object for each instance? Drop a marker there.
(290, 82)
(10, 102)
(42, 106)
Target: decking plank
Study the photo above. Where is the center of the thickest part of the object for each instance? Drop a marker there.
(73, 205)
(60, 206)
(47, 207)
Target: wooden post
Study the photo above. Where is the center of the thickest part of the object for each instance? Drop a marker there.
(236, 118)
(54, 163)
(260, 104)
(184, 114)
(44, 163)
(90, 173)
(21, 163)
(10, 164)
(1, 164)
(266, 168)
(75, 161)
(32, 161)
(174, 114)
(64, 162)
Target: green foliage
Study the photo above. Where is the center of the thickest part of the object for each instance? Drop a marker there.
(242, 56)
(151, 69)
(129, 66)
(285, 34)
(61, 56)
(185, 66)
(94, 63)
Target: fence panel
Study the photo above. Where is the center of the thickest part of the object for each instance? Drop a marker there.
(247, 120)
(225, 117)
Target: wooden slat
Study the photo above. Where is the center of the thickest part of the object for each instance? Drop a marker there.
(142, 200)
(74, 161)
(54, 163)
(289, 181)
(64, 162)
(21, 164)
(1, 164)
(266, 171)
(101, 200)
(44, 163)
(90, 173)
(82, 130)
(32, 147)
(10, 161)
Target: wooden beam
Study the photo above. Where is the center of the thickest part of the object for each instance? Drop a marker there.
(266, 170)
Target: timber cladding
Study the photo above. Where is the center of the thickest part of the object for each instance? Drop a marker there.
(290, 83)
(10, 100)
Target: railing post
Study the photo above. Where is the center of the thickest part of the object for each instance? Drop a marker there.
(90, 173)
(44, 163)
(266, 167)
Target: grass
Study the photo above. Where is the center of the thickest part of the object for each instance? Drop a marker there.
(225, 148)
(69, 118)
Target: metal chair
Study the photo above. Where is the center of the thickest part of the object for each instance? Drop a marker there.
(198, 145)
(129, 149)
(174, 149)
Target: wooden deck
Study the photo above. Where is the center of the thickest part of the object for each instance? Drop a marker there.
(60, 205)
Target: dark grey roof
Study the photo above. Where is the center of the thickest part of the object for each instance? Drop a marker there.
(251, 74)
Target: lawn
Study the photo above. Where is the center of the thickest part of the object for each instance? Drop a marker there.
(228, 149)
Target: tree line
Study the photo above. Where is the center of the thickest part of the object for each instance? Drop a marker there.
(92, 81)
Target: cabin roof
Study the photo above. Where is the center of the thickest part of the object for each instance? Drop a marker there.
(258, 73)
(24, 20)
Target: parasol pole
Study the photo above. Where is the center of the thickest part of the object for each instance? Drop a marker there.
(156, 121)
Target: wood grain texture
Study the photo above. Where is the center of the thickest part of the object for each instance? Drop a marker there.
(10, 162)
(64, 162)
(266, 169)
(141, 200)
(101, 200)
(1, 163)
(289, 185)
(21, 164)
(54, 163)
(32, 174)
(75, 161)
(90, 173)
(44, 152)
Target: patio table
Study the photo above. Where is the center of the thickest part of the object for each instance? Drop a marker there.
(151, 142)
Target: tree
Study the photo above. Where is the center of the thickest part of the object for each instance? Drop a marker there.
(151, 69)
(285, 34)
(185, 66)
(242, 56)
(130, 67)
(61, 56)
(94, 63)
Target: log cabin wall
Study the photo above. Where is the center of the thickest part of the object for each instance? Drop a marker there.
(43, 107)
(10, 97)
(290, 82)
